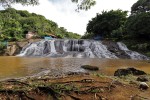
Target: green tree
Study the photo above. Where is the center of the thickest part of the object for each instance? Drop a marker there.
(8, 3)
(23, 13)
(81, 4)
(138, 26)
(84, 4)
(87, 36)
(106, 23)
(141, 6)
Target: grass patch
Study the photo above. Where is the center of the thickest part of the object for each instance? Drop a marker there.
(98, 74)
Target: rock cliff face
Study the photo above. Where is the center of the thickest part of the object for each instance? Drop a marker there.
(15, 48)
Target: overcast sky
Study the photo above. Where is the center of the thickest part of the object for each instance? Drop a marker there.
(63, 12)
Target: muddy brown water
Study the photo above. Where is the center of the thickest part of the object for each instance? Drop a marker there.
(15, 67)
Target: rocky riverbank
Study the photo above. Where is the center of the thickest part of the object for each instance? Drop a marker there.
(76, 86)
(14, 48)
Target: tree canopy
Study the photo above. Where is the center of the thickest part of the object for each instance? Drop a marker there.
(81, 4)
(14, 24)
(141, 6)
(106, 22)
(138, 26)
(8, 3)
(84, 4)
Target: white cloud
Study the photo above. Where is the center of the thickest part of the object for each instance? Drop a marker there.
(1, 8)
(63, 12)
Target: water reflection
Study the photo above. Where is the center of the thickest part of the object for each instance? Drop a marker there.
(12, 67)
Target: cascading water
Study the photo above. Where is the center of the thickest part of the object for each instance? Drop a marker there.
(76, 48)
(132, 54)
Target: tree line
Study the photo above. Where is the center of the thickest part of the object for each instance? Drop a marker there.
(117, 24)
(14, 24)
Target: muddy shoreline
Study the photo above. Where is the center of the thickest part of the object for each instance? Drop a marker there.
(74, 86)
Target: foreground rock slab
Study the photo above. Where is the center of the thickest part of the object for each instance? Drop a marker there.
(72, 87)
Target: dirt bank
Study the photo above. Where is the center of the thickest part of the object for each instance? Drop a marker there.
(74, 87)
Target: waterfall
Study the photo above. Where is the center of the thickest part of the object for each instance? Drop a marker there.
(132, 54)
(78, 48)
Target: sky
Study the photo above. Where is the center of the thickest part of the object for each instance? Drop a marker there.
(63, 12)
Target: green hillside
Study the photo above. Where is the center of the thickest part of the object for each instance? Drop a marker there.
(14, 24)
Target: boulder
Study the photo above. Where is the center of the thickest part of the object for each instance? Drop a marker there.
(142, 79)
(143, 86)
(136, 71)
(89, 67)
(124, 72)
(11, 49)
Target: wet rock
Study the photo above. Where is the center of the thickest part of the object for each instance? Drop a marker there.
(143, 86)
(22, 44)
(11, 49)
(14, 48)
(142, 79)
(89, 67)
(124, 72)
(114, 48)
(136, 71)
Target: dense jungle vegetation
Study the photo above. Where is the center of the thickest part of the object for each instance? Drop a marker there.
(14, 24)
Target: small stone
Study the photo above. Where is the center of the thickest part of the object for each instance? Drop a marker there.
(142, 79)
(143, 86)
(102, 90)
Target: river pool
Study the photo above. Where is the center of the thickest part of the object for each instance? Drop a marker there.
(15, 67)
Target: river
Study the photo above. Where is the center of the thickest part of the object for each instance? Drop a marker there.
(16, 67)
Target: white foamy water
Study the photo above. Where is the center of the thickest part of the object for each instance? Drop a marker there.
(79, 49)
